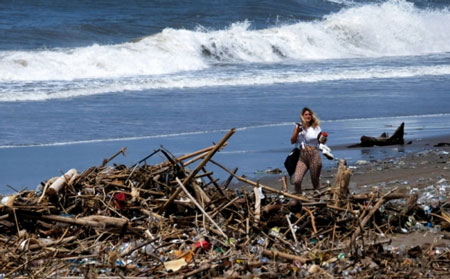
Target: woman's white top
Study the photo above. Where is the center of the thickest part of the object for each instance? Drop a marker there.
(309, 136)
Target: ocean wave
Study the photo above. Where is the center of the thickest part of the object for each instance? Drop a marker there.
(40, 91)
(391, 28)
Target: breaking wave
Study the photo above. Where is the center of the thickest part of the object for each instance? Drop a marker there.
(392, 28)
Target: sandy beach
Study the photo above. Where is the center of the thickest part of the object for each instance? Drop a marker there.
(426, 172)
(422, 167)
(420, 164)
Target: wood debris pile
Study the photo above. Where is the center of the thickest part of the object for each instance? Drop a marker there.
(168, 220)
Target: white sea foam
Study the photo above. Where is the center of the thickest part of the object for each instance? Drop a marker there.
(56, 90)
(111, 139)
(342, 2)
(392, 28)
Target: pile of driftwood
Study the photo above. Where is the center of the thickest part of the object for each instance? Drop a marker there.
(175, 220)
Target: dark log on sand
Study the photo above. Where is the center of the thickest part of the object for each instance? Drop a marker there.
(383, 140)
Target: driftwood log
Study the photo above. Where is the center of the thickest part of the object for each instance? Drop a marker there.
(341, 184)
(383, 139)
(61, 182)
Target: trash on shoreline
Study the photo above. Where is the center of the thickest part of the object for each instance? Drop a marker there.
(168, 220)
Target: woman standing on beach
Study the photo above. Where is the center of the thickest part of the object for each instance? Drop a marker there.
(307, 134)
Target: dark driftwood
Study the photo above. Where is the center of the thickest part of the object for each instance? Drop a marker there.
(411, 203)
(442, 144)
(274, 254)
(392, 196)
(368, 216)
(383, 140)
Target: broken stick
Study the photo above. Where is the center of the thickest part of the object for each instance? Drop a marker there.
(198, 168)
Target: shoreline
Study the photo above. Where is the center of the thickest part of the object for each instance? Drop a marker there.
(26, 168)
(403, 166)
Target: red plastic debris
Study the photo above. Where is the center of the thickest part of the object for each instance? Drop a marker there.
(120, 200)
(203, 244)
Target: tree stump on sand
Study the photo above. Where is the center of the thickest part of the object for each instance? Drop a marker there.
(341, 183)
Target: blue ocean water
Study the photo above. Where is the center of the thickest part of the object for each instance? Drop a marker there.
(81, 79)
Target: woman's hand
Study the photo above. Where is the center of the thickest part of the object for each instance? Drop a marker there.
(297, 129)
(322, 137)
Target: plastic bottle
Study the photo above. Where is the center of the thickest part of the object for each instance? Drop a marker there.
(436, 229)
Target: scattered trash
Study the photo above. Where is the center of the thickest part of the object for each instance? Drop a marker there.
(175, 265)
(175, 220)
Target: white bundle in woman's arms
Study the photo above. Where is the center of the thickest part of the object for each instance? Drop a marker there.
(326, 151)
